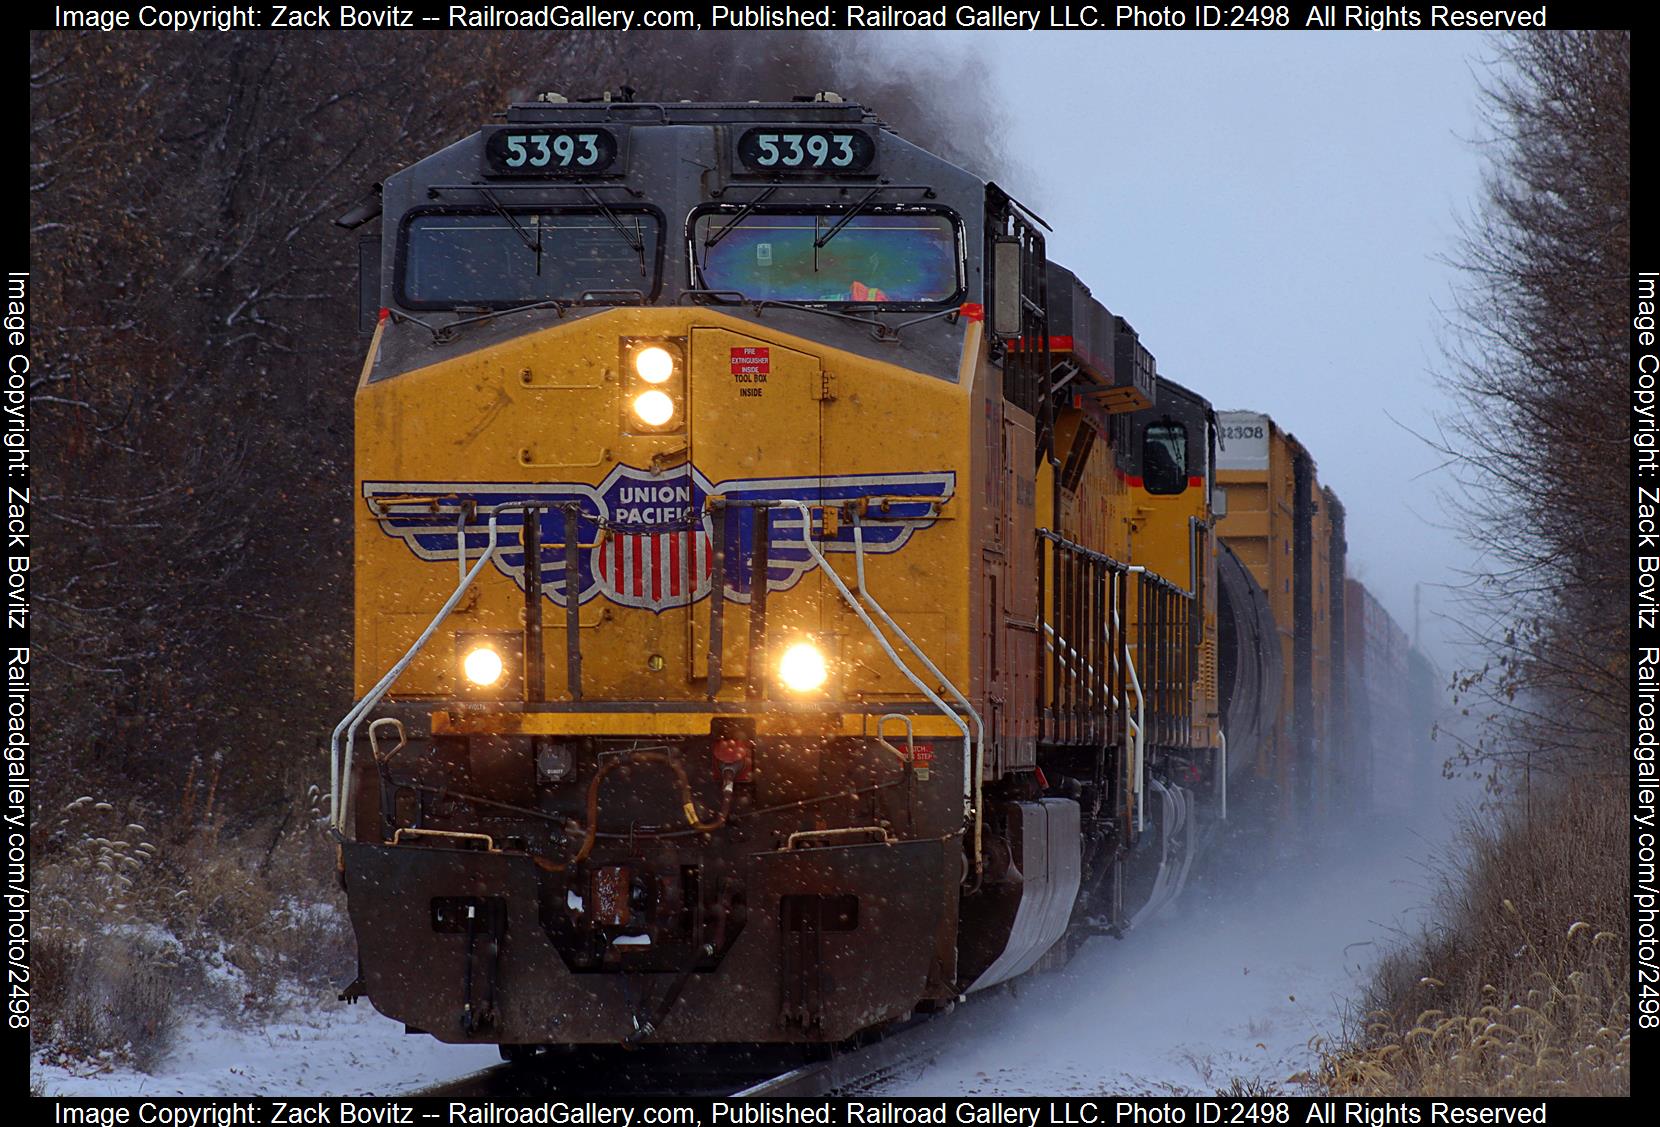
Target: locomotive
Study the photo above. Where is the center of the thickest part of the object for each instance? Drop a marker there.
(786, 601)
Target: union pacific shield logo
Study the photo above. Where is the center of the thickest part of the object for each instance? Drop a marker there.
(646, 539)
(657, 550)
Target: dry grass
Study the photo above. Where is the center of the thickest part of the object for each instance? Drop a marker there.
(136, 923)
(121, 1006)
(1524, 989)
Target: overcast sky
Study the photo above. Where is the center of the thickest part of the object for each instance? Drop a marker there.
(1267, 210)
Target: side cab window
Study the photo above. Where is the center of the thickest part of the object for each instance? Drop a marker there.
(1164, 458)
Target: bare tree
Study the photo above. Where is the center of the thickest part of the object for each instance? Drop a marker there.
(195, 371)
(1539, 364)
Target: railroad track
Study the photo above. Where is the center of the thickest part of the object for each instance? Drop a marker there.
(861, 1069)
(702, 1071)
(648, 1071)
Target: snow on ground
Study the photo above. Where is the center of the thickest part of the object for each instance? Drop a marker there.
(1237, 982)
(336, 1051)
(1232, 984)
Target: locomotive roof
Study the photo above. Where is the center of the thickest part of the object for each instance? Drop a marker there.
(691, 113)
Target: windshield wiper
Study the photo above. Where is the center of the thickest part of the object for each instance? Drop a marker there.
(635, 242)
(743, 213)
(518, 228)
(443, 334)
(822, 240)
(535, 244)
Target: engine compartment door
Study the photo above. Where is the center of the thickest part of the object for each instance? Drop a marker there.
(755, 434)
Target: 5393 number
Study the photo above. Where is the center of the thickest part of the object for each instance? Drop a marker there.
(806, 150)
(544, 152)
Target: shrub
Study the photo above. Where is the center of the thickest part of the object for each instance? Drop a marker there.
(1523, 990)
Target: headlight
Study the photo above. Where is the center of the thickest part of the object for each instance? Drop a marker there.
(653, 408)
(482, 666)
(654, 363)
(802, 668)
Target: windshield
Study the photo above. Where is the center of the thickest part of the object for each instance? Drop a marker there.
(492, 259)
(890, 258)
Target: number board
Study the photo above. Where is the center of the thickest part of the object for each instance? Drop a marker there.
(1244, 436)
(807, 150)
(526, 150)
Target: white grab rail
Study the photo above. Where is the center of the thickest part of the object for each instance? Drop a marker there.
(1222, 739)
(881, 639)
(971, 796)
(1137, 740)
(340, 765)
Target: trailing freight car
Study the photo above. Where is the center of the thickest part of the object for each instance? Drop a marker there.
(1287, 531)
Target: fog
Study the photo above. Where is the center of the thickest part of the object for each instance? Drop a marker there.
(1236, 987)
(1268, 211)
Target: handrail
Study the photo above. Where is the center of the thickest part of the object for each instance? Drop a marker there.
(1222, 740)
(908, 756)
(974, 799)
(883, 837)
(970, 787)
(1120, 660)
(1062, 644)
(340, 766)
(1152, 577)
(1139, 742)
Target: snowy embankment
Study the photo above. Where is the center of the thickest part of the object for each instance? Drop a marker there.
(337, 1050)
(1231, 985)
(1237, 983)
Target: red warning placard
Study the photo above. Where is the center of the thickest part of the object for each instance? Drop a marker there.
(922, 759)
(751, 361)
